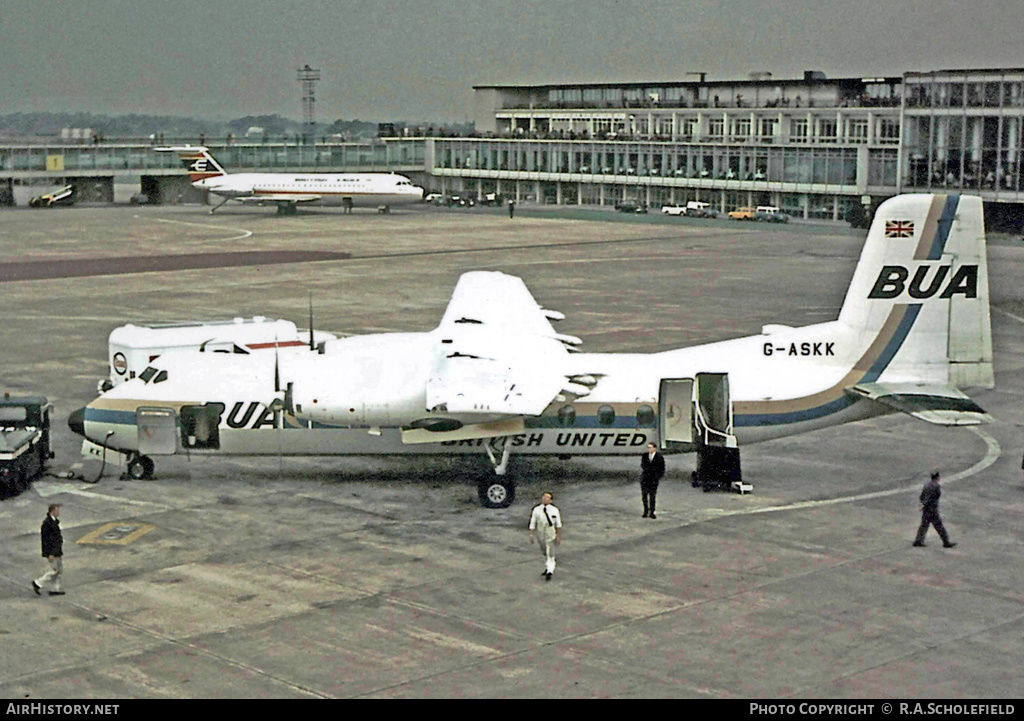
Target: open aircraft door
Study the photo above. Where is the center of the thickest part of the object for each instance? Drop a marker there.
(675, 411)
(718, 454)
(714, 410)
(158, 431)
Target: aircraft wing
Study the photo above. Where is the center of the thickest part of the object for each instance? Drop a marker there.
(280, 198)
(500, 354)
(941, 405)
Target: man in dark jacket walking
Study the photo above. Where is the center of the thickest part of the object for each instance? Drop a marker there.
(930, 512)
(53, 551)
(652, 468)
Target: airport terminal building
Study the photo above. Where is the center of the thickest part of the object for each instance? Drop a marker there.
(814, 146)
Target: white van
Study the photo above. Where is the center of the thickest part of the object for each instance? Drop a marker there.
(771, 214)
(700, 209)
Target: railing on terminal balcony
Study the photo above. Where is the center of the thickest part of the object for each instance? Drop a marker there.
(721, 104)
(109, 155)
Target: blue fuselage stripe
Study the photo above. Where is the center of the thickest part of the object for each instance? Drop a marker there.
(945, 225)
(103, 415)
(842, 402)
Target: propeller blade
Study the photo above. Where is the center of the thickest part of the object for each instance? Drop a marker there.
(311, 346)
(277, 369)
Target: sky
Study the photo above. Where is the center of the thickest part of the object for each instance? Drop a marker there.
(410, 60)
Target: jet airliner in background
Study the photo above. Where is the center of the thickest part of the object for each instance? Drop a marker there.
(287, 190)
(495, 378)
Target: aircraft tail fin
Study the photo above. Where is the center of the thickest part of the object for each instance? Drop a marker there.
(197, 160)
(919, 299)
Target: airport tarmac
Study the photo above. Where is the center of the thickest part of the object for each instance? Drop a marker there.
(383, 577)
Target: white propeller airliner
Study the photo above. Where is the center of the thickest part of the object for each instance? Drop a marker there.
(494, 377)
(380, 190)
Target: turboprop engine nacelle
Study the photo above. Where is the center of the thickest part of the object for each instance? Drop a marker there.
(374, 380)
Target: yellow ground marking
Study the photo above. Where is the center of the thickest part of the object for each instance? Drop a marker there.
(118, 533)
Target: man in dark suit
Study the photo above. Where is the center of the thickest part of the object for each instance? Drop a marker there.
(53, 551)
(652, 468)
(930, 512)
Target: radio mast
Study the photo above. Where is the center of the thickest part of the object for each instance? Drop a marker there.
(308, 77)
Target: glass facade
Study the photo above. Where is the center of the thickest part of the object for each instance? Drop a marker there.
(964, 132)
(405, 154)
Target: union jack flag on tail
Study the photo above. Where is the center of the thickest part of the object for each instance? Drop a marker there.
(899, 229)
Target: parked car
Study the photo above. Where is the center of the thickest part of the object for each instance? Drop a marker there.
(435, 198)
(673, 209)
(776, 217)
(770, 214)
(700, 209)
(139, 199)
(630, 206)
(745, 213)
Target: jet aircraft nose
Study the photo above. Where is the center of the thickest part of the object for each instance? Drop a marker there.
(76, 422)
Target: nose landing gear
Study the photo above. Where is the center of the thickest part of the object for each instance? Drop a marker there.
(140, 468)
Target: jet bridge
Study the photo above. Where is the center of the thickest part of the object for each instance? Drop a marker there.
(696, 414)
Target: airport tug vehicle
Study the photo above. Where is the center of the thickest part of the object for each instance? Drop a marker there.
(24, 441)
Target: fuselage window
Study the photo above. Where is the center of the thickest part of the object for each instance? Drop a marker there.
(567, 416)
(645, 416)
(147, 374)
(160, 377)
(606, 415)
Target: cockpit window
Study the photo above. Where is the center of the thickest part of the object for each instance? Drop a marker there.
(160, 377)
(147, 374)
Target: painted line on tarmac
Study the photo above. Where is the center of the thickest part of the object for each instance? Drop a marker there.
(1016, 317)
(244, 233)
(993, 450)
(45, 490)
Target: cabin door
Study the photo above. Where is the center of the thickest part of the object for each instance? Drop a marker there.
(158, 431)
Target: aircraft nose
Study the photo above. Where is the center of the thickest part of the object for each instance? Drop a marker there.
(76, 422)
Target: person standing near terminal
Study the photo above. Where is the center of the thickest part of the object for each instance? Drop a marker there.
(53, 551)
(930, 512)
(546, 522)
(511, 207)
(652, 468)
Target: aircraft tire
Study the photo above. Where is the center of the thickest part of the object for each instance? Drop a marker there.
(141, 467)
(497, 492)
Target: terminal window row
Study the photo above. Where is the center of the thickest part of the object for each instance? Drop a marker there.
(958, 94)
(803, 165)
(964, 152)
(765, 130)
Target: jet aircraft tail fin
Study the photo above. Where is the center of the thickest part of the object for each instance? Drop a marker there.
(919, 302)
(197, 160)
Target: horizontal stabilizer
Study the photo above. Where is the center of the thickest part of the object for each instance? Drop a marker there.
(940, 405)
(505, 427)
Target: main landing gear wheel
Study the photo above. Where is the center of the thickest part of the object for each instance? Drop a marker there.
(140, 467)
(497, 492)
